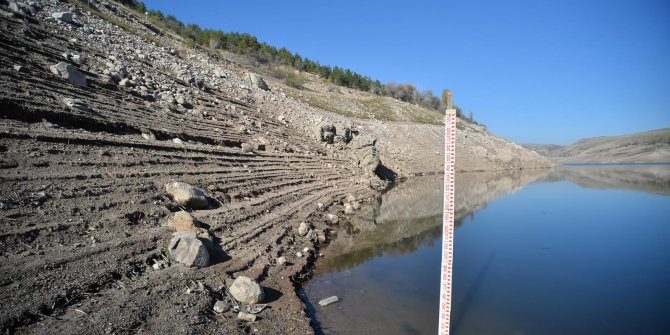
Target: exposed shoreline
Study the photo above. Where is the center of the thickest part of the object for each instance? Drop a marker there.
(85, 216)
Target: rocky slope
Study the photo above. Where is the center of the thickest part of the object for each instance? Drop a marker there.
(646, 147)
(100, 111)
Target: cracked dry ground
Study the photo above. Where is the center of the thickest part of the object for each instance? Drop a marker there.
(84, 210)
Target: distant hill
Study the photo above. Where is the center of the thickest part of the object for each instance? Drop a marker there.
(645, 147)
(542, 149)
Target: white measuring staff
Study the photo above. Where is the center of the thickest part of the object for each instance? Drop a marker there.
(448, 220)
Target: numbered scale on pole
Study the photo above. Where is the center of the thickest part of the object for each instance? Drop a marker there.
(448, 220)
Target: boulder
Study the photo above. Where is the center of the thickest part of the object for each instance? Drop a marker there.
(186, 248)
(221, 307)
(75, 104)
(348, 208)
(327, 133)
(246, 316)
(63, 16)
(365, 153)
(186, 195)
(69, 72)
(183, 220)
(321, 236)
(21, 8)
(311, 235)
(281, 260)
(246, 290)
(333, 218)
(257, 81)
(303, 228)
(247, 148)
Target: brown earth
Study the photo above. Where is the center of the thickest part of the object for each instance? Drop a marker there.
(83, 210)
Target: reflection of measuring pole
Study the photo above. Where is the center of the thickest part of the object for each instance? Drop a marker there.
(448, 218)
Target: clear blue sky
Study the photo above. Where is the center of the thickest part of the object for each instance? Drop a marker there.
(533, 71)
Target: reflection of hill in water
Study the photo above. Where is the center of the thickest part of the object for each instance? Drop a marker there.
(646, 178)
(410, 215)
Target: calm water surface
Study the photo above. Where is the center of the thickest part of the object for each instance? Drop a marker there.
(579, 250)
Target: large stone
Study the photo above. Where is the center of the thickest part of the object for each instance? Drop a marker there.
(246, 316)
(334, 219)
(327, 133)
(365, 153)
(186, 248)
(75, 104)
(183, 220)
(221, 307)
(303, 228)
(246, 290)
(257, 81)
(69, 72)
(186, 195)
(63, 16)
(21, 8)
(247, 148)
(311, 235)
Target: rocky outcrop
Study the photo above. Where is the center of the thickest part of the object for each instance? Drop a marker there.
(257, 81)
(365, 153)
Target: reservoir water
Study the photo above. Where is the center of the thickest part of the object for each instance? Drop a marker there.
(577, 250)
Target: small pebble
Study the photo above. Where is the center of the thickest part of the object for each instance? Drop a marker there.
(246, 316)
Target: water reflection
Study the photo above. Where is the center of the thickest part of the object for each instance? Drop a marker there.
(410, 215)
(651, 178)
(382, 262)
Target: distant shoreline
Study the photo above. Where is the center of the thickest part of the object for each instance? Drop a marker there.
(611, 164)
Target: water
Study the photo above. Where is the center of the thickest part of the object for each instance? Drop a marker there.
(580, 250)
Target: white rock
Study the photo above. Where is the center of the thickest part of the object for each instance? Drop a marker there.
(246, 290)
(187, 195)
(281, 260)
(63, 16)
(69, 72)
(303, 228)
(246, 316)
(329, 300)
(221, 307)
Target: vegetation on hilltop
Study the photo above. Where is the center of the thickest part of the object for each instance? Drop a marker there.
(248, 45)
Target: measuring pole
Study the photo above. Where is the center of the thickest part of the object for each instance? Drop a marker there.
(448, 220)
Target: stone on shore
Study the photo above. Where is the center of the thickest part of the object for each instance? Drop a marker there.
(186, 195)
(257, 81)
(247, 148)
(63, 16)
(221, 307)
(329, 300)
(281, 260)
(333, 218)
(303, 228)
(246, 290)
(183, 220)
(246, 316)
(69, 72)
(186, 248)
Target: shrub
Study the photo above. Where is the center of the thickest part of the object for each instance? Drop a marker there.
(295, 81)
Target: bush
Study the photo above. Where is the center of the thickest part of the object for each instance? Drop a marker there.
(295, 81)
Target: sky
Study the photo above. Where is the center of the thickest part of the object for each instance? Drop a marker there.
(533, 71)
